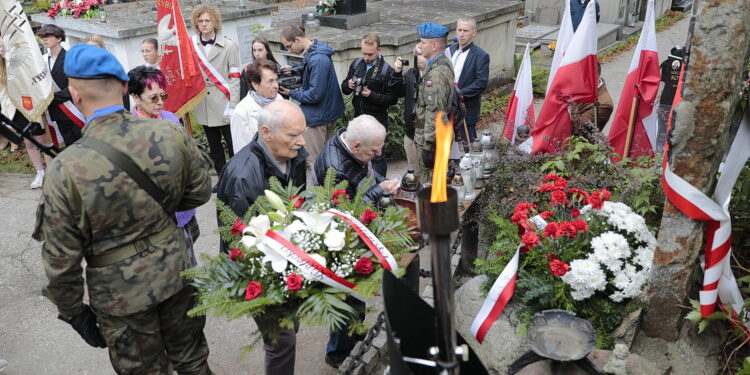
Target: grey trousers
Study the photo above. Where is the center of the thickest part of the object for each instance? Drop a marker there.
(280, 345)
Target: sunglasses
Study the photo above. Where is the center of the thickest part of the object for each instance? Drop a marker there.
(155, 98)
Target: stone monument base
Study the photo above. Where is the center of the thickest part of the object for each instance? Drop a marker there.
(350, 21)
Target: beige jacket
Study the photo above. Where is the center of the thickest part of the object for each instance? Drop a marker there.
(224, 57)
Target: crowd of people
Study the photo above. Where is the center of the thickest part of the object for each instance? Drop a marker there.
(125, 153)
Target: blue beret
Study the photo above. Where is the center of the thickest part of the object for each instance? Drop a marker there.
(431, 30)
(91, 62)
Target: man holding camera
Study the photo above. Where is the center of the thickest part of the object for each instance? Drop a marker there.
(435, 94)
(320, 96)
(405, 85)
(471, 66)
(368, 80)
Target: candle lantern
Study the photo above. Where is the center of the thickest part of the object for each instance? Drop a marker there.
(477, 157)
(458, 184)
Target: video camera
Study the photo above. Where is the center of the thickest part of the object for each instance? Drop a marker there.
(291, 78)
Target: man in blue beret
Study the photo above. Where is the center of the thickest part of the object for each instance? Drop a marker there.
(435, 94)
(121, 220)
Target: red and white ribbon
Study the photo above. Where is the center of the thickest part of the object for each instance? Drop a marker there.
(498, 297)
(373, 243)
(719, 284)
(210, 71)
(311, 268)
(70, 110)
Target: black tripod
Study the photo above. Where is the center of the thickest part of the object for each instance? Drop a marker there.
(16, 134)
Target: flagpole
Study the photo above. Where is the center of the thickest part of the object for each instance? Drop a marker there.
(631, 124)
(188, 125)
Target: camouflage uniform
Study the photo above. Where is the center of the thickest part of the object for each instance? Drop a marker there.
(435, 94)
(91, 207)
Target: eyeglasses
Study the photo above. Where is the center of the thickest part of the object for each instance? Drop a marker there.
(288, 46)
(155, 98)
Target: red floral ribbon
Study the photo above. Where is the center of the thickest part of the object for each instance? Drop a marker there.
(311, 267)
(719, 283)
(373, 243)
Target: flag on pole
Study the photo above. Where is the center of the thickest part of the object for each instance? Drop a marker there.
(576, 80)
(179, 62)
(564, 36)
(629, 134)
(521, 108)
(29, 80)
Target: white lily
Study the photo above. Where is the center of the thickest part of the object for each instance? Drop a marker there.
(278, 262)
(275, 201)
(255, 230)
(318, 222)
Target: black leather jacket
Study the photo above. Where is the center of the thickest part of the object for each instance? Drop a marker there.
(246, 175)
(377, 80)
(335, 154)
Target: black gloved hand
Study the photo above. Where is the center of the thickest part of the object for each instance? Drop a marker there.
(85, 324)
(428, 158)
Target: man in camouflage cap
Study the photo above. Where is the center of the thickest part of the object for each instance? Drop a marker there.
(435, 94)
(91, 209)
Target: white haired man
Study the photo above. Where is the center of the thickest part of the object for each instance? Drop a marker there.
(276, 150)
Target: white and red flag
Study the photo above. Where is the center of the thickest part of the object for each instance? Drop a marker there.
(521, 108)
(576, 80)
(631, 132)
(564, 36)
(179, 62)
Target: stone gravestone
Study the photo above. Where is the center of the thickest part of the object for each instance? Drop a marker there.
(349, 15)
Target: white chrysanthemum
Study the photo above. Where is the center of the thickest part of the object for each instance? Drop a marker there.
(609, 247)
(644, 257)
(334, 240)
(584, 277)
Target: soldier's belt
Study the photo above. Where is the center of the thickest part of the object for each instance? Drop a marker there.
(141, 246)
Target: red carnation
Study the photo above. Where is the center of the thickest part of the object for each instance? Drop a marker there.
(253, 290)
(236, 254)
(299, 201)
(546, 187)
(575, 212)
(368, 216)
(551, 177)
(552, 230)
(568, 229)
(294, 282)
(552, 257)
(581, 225)
(530, 239)
(238, 227)
(597, 198)
(518, 217)
(337, 194)
(558, 267)
(578, 194)
(546, 215)
(522, 207)
(559, 197)
(561, 183)
(363, 266)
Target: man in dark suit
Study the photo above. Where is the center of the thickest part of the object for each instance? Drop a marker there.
(61, 110)
(471, 66)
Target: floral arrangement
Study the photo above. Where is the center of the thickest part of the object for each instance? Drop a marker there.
(299, 255)
(325, 6)
(580, 252)
(76, 9)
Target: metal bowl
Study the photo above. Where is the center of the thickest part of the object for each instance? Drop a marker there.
(561, 336)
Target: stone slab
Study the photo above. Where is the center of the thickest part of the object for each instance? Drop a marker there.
(532, 33)
(349, 22)
(607, 35)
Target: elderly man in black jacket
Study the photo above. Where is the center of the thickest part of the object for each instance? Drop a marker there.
(277, 150)
(350, 152)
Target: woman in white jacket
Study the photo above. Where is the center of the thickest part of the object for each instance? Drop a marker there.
(264, 89)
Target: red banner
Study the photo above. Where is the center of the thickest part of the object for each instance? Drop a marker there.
(179, 62)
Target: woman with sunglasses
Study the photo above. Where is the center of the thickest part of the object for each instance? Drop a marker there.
(146, 88)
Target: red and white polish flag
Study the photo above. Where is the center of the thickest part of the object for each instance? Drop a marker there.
(564, 36)
(641, 84)
(521, 108)
(576, 80)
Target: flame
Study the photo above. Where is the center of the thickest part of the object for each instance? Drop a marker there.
(443, 142)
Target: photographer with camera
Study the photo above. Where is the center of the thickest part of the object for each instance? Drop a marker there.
(404, 85)
(368, 81)
(319, 97)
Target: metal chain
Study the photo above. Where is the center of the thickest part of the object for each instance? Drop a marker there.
(365, 345)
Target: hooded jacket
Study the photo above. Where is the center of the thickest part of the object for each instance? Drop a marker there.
(337, 155)
(320, 95)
